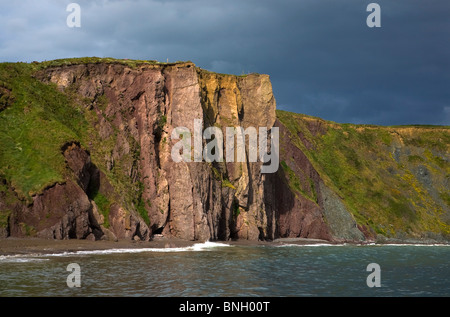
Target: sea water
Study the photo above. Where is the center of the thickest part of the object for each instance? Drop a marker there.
(219, 269)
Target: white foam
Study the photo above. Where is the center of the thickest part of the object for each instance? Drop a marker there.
(208, 245)
(196, 247)
(19, 258)
(310, 245)
(364, 245)
(414, 245)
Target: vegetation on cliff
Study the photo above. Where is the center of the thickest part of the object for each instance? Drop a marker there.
(33, 129)
(38, 119)
(394, 180)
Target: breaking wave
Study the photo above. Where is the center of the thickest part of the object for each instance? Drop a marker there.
(196, 247)
(206, 246)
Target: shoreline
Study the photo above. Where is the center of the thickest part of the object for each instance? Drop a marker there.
(28, 246)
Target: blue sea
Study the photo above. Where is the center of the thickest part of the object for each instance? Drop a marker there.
(219, 269)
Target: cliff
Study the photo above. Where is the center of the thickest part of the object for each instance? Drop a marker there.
(392, 181)
(86, 153)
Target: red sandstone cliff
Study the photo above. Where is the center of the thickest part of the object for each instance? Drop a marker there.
(133, 111)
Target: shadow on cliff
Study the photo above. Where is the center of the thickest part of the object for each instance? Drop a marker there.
(279, 201)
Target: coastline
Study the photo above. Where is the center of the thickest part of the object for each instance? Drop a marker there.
(27, 246)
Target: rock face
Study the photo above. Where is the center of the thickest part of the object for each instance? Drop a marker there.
(303, 206)
(142, 106)
(64, 211)
(120, 181)
(366, 182)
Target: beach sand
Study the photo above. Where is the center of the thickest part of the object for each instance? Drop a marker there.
(15, 246)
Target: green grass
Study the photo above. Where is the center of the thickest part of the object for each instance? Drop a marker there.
(140, 204)
(217, 175)
(4, 217)
(445, 196)
(33, 129)
(429, 138)
(227, 183)
(103, 205)
(30, 231)
(236, 209)
(98, 60)
(8, 198)
(357, 162)
(427, 126)
(36, 120)
(143, 212)
(162, 121)
(242, 75)
(415, 159)
(294, 181)
(296, 185)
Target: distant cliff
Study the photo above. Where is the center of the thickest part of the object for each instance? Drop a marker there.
(369, 181)
(86, 153)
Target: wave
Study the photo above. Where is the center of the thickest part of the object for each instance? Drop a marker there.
(20, 258)
(206, 246)
(196, 247)
(310, 245)
(364, 245)
(401, 245)
(412, 245)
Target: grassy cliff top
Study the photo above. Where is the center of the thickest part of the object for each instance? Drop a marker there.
(132, 63)
(103, 60)
(284, 114)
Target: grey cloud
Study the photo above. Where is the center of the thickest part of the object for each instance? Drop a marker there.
(322, 58)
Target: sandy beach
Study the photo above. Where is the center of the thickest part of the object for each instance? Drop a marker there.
(15, 246)
(12, 246)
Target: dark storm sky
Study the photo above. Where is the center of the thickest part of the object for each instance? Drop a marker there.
(322, 58)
